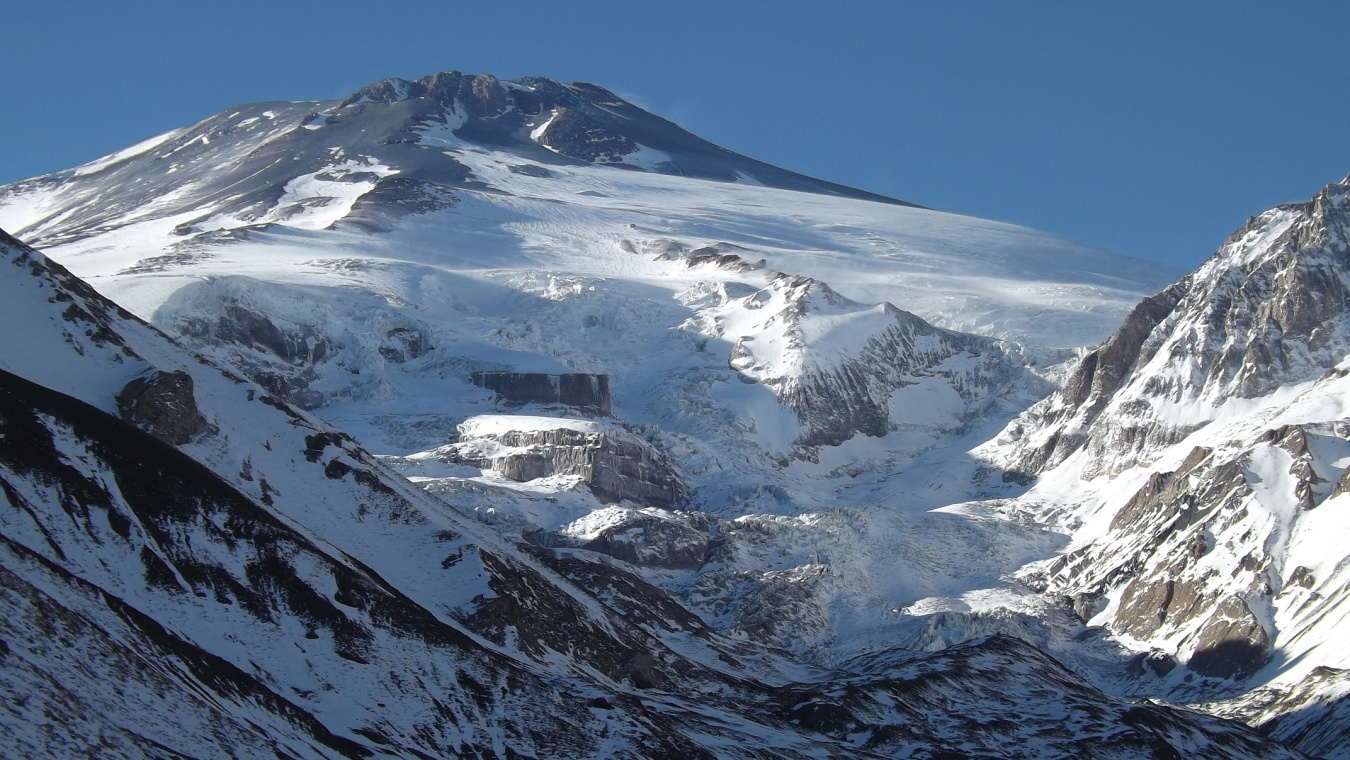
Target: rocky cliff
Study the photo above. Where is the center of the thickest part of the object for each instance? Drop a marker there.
(586, 392)
(615, 465)
(1266, 311)
(1202, 447)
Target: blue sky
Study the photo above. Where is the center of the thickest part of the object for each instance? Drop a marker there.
(1147, 128)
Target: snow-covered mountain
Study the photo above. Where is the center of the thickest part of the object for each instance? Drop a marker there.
(470, 174)
(710, 449)
(1199, 458)
(801, 359)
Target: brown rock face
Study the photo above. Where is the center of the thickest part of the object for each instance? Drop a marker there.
(1342, 485)
(1099, 375)
(162, 404)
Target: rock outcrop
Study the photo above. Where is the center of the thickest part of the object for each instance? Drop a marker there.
(304, 349)
(615, 465)
(844, 368)
(161, 403)
(645, 537)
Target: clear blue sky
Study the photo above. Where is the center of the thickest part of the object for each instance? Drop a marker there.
(1147, 128)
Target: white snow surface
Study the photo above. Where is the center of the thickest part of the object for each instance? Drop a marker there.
(495, 424)
(958, 272)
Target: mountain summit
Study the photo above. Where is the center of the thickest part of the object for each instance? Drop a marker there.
(576, 122)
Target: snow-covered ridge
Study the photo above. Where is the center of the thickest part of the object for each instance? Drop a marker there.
(1201, 458)
(1267, 311)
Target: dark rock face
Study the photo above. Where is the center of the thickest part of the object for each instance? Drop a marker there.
(574, 133)
(1342, 485)
(727, 256)
(401, 345)
(481, 94)
(394, 197)
(241, 325)
(161, 404)
(279, 357)
(577, 389)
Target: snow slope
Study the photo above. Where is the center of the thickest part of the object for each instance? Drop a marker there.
(465, 192)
